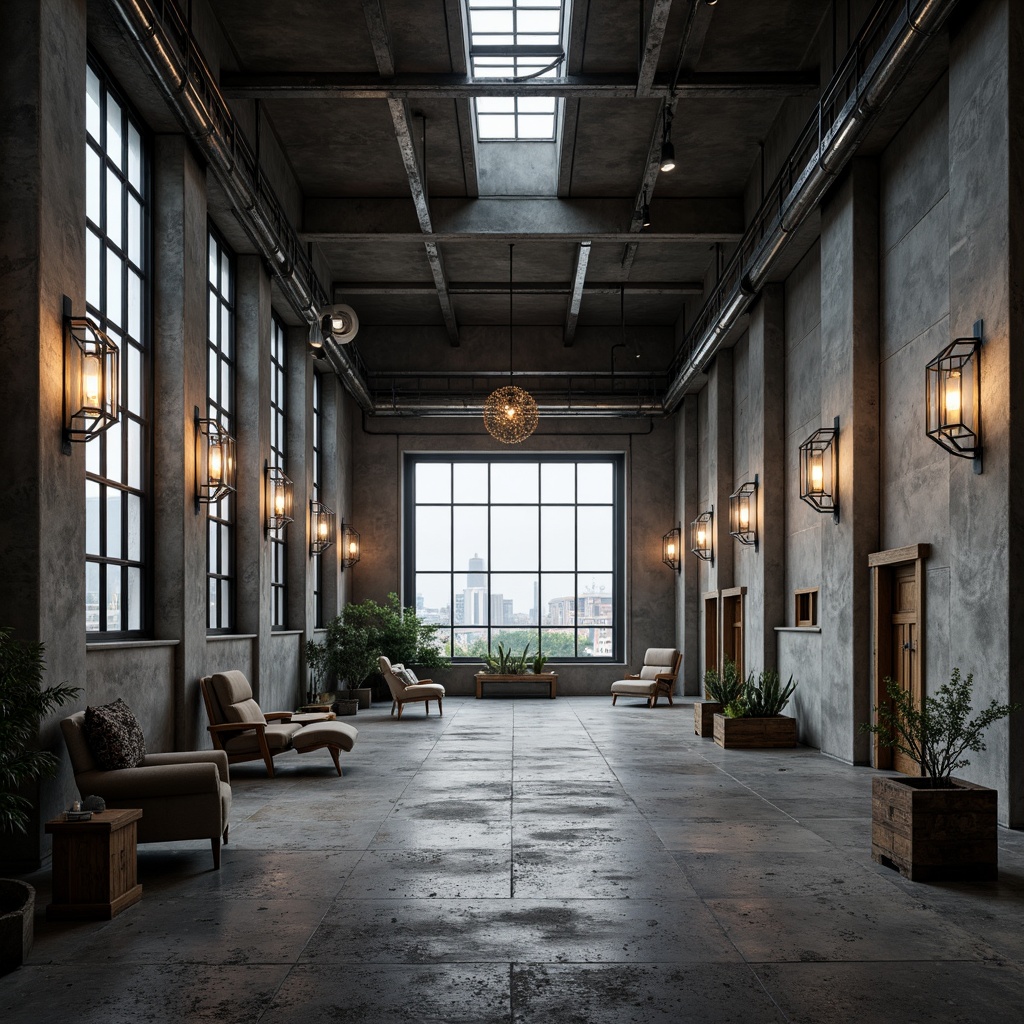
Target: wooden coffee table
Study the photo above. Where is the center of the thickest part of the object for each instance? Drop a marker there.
(94, 865)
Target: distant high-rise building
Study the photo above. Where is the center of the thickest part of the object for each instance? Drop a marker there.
(477, 577)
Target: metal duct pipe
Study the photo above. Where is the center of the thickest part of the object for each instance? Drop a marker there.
(835, 148)
(648, 407)
(208, 132)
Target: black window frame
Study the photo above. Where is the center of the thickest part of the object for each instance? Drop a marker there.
(618, 462)
(278, 460)
(317, 429)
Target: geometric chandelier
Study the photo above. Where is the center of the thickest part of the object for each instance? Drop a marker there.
(510, 413)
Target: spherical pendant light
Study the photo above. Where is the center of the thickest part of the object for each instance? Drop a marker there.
(510, 413)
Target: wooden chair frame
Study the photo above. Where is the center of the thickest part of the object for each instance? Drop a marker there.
(663, 681)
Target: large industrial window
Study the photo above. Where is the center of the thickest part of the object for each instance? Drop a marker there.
(517, 550)
(220, 385)
(318, 590)
(515, 39)
(278, 442)
(117, 282)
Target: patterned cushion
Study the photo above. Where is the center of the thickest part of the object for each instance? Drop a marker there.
(407, 676)
(114, 736)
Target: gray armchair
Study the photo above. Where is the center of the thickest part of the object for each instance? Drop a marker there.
(182, 795)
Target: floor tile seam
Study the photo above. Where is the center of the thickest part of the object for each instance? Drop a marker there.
(751, 790)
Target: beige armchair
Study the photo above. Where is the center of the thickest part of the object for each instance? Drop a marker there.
(184, 795)
(240, 728)
(404, 692)
(657, 677)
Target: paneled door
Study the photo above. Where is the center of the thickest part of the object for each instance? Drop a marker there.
(904, 647)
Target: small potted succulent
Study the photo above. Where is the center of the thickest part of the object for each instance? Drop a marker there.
(719, 690)
(23, 701)
(754, 719)
(935, 826)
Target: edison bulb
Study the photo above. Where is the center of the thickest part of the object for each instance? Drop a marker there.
(279, 503)
(701, 538)
(216, 463)
(91, 380)
(744, 516)
(671, 550)
(953, 394)
(352, 547)
(817, 474)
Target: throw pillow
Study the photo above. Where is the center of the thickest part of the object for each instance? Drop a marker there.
(114, 736)
(408, 677)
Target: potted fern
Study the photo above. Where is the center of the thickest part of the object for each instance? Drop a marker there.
(935, 826)
(719, 690)
(754, 718)
(23, 702)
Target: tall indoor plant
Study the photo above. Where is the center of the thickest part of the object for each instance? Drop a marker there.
(935, 826)
(719, 690)
(23, 702)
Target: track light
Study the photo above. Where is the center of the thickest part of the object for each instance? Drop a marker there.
(645, 212)
(338, 324)
(668, 153)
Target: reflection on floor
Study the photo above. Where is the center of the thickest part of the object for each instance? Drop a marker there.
(538, 861)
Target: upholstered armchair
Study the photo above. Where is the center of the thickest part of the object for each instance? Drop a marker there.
(656, 677)
(407, 689)
(240, 728)
(185, 795)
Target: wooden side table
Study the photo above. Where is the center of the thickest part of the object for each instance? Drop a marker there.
(94, 865)
(549, 679)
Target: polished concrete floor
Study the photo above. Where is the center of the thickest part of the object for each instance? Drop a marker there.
(533, 861)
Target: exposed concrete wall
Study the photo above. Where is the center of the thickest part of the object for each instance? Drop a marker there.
(688, 602)
(377, 461)
(284, 686)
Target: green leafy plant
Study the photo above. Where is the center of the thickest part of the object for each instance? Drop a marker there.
(725, 688)
(23, 702)
(539, 662)
(318, 661)
(736, 708)
(767, 697)
(938, 733)
(507, 662)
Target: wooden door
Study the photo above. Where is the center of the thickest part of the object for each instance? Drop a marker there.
(904, 647)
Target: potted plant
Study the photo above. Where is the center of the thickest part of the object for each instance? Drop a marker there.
(719, 690)
(507, 662)
(935, 826)
(318, 661)
(754, 718)
(22, 703)
(350, 655)
(538, 664)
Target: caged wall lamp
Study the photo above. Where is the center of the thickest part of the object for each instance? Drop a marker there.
(215, 461)
(321, 528)
(350, 552)
(670, 545)
(743, 513)
(953, 397)
(92, 378)
(279, 497)
(819, 470)
(701, 542)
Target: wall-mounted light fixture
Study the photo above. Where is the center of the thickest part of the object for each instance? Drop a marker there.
(668, 152)
(819, 470)
(671, 554)
(743, 513)
(953, 384)
(279, 498)
(321, 528)
(215, 461)
(92, 379)
(350, 552)
(701, 541)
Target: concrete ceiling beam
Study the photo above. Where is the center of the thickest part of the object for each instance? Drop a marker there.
(458, 48)
(706, 219)
(283, 85)
(579, 275)
(386, 288)
(654, 37)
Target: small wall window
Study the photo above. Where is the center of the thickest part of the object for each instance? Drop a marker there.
(806, 605)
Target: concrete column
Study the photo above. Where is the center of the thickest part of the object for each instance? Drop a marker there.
(849, 390)
(42, 258)
(179, 386)
(688, 602)
(330, 492)
(252, 432)
(765, 568)
(720, 459)
(299, 452)
(986, 247)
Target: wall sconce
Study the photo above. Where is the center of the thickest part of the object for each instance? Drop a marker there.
(701, 542)
(92, 379)
(215, 461)
(321, 528)
(953, 383)
(743, 513)
(670, 545)
(279, 495)
(349, 546)
(819, 470)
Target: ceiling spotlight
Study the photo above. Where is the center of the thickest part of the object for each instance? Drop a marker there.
(339, 324)
(645, 212)
(668, 153)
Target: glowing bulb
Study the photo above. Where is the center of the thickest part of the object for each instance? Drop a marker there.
(953, 394)
(216, 463)
(701, 538)
(744, 516)
(352, 547)
(279, 503)
(510, 412)
(91, 381)
(671, 550)
(322, 529)
(817, 474)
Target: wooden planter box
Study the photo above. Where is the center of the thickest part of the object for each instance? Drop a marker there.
(704, 712)
(755, 733)
(929, 832)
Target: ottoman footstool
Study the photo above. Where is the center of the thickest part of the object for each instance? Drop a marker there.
(335, 736)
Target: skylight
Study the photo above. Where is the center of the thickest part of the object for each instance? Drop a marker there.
(515, 39)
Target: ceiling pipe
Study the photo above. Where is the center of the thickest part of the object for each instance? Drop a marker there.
(195, 99)
(582, 407)
(875, 88)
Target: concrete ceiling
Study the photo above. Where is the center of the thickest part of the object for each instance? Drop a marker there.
(349, 86)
